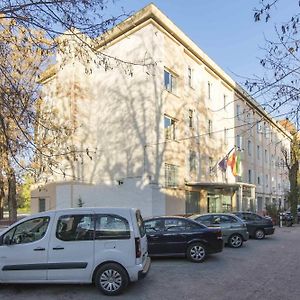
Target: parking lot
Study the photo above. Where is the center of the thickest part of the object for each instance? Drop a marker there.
(266, 269)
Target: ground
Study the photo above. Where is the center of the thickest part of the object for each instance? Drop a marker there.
(266, 269)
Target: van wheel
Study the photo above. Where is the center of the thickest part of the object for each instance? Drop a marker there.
(235, 241)
(196, 253)
(111, 279)
(259, 234)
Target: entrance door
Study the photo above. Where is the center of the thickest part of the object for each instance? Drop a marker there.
(192, 202)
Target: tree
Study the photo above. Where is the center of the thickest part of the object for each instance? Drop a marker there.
(29, 31)
(279, 86)
(20, 63)
(292, 159)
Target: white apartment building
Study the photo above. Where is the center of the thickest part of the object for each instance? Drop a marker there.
(152, 133)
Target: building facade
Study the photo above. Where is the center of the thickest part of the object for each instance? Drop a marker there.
(154, 125)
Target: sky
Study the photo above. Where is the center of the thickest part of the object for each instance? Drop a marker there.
(224, 30)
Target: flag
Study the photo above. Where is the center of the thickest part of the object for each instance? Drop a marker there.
(223, 164)
(231, 162)
(237, 171)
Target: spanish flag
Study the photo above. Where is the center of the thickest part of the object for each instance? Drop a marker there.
(234, 162)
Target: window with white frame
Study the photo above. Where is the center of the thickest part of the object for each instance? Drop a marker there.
(210, 128)
(258, 152)
(225, 101)
(209, 86)
(210, 164)
(258, 180)
(225, 136)
(267, 180)
(190, 77)
(249, 176)
(266, 155)
(171, 175)
(191, 118)
(170, 81)
(239, 142)
(259, 127)
(249, 148)
(238, 112)
(170, 128)
(193, 161)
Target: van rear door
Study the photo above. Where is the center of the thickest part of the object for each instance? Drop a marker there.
(142, 242)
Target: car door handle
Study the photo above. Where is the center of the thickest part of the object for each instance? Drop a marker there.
(39, 249)
(58, 248)
(155, 237)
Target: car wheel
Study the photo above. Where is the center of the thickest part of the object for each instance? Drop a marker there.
(235, 241)
(111, 279)
(259, 234)
(196, 253)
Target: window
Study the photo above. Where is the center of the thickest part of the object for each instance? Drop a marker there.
(210, 163)
(209, 90)
(238, 112)
(191, 121)
(156, 225)
(258, 152)
(249, 176)
(111, 227)
(140, 223)
(190, 76)
(42, 204)
(28, 231)
(75, 228)
(267, 180)
(210, 128)
(258, 180)
(249, 148)
(227, 219)
(226, 136)
(239, 142)
(207, 219)
(192, 161)
(170, 128)
(266, 155)
(259, 127)
(169, 81)
(225, 101)
(171, 175)
(266, 130)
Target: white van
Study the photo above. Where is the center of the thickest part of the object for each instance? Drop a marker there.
(106, 246)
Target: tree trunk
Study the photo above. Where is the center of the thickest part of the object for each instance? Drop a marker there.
(294, 188)
(12, 196)
(2, 197)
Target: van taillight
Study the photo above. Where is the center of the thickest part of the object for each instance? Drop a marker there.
(138, 251)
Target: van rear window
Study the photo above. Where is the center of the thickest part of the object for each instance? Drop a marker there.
(140, 223)
(111, 227)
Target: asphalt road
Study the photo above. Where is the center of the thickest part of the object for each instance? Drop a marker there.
(267, 269)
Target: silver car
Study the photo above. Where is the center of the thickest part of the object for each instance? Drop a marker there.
(234, 230)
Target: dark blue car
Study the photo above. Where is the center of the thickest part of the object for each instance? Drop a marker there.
(178, 236)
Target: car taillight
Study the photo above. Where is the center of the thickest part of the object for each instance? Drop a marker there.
(219, 234)
(138, 251)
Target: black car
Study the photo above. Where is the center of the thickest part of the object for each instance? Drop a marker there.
(258, 226)
(178, 236)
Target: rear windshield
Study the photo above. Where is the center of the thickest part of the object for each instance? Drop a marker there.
(140, 223)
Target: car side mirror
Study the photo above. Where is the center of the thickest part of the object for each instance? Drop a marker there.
(7, 240)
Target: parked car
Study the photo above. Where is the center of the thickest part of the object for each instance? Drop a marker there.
(234, 230)
(258, 226)
(106, 246)
(287, 218)
(179, 236)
